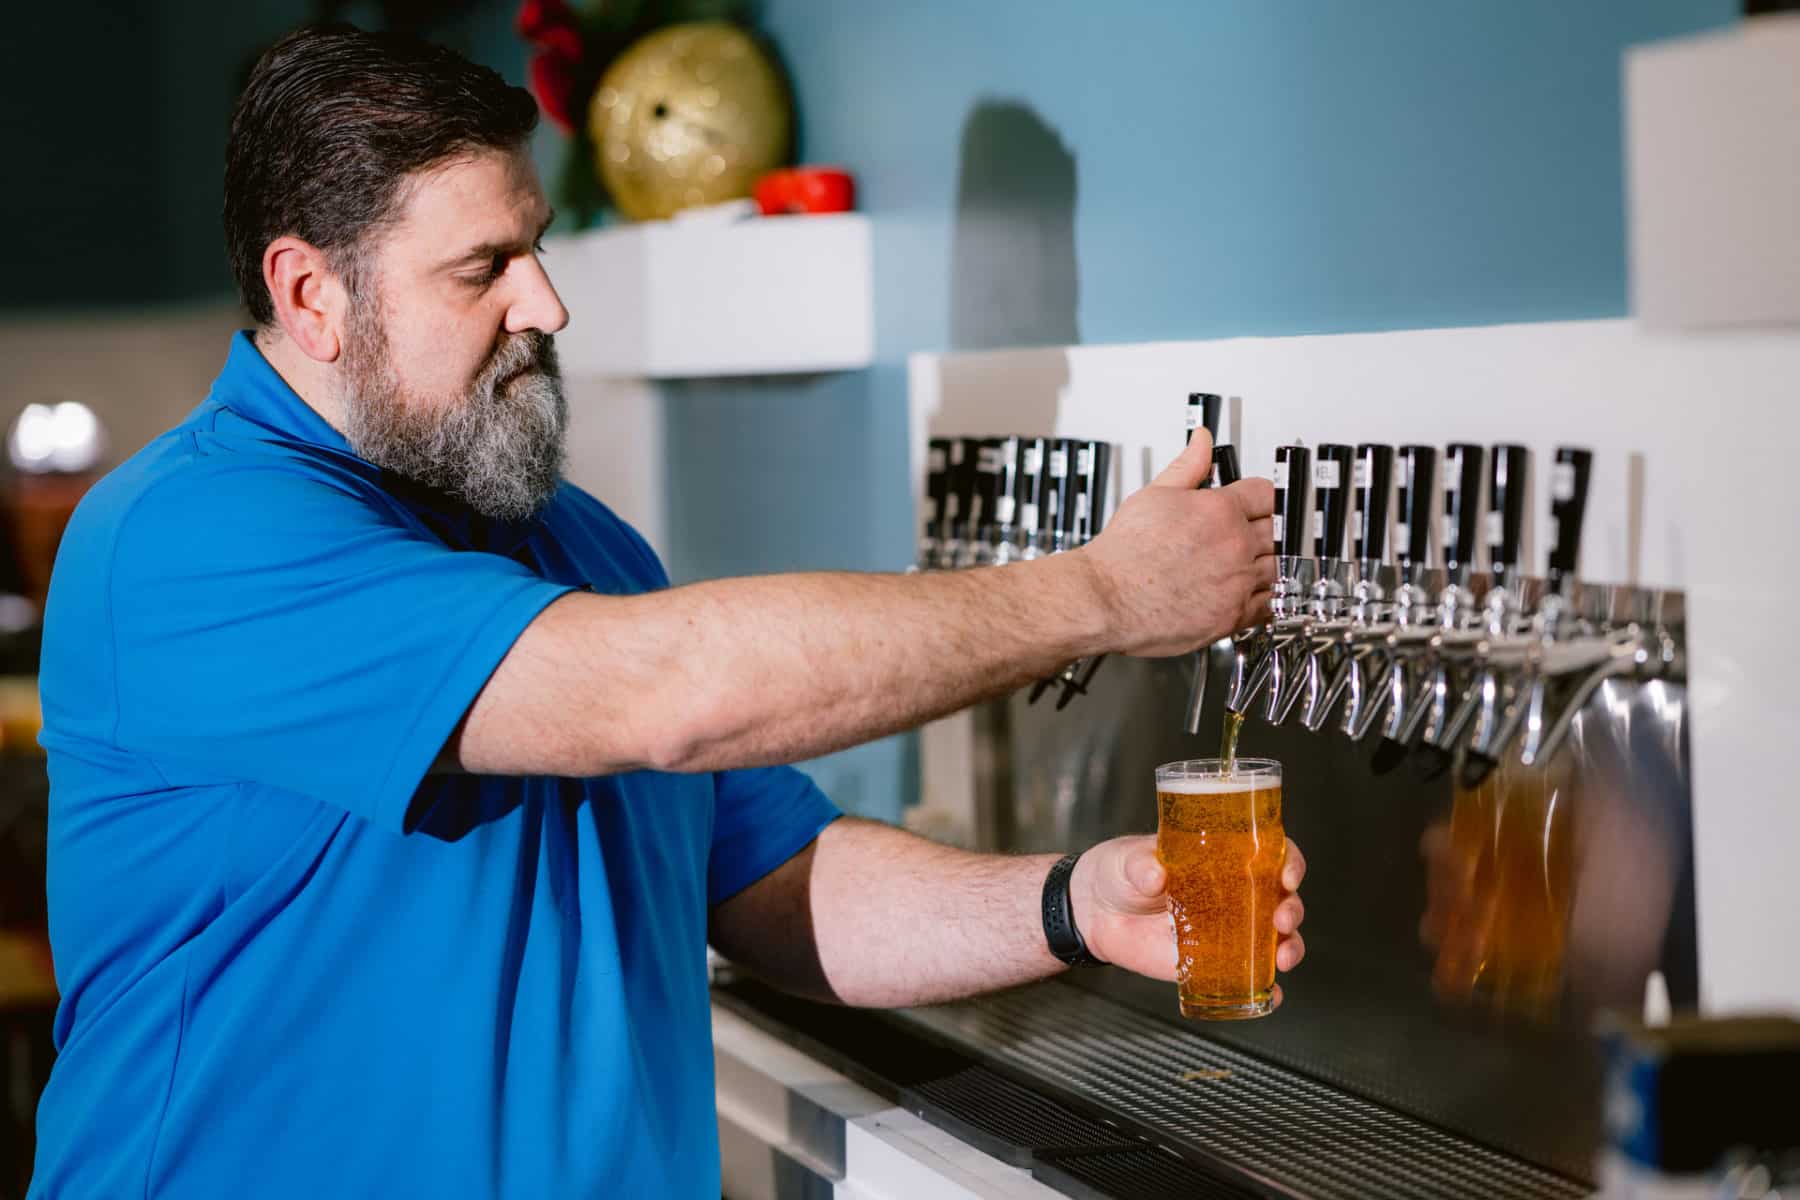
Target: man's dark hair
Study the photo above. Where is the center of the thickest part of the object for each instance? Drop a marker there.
(329, 126)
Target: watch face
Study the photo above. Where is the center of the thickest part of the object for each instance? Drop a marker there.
(690, 115)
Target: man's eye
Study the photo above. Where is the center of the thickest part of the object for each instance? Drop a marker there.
(497, 267)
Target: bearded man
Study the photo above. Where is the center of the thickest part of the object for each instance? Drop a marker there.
(396, 796)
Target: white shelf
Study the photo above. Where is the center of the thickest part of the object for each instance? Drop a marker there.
(671, 299)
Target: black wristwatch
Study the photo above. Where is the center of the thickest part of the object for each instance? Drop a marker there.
(1059, 918)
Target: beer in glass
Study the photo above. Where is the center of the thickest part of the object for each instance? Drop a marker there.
(1219, 837)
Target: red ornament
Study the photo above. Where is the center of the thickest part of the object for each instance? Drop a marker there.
(805, 190)
(555, 70)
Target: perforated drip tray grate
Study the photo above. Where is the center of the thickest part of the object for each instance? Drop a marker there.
(1101, 1101)
(1281, 1130)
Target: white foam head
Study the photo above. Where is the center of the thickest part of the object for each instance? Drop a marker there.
(1214, 785)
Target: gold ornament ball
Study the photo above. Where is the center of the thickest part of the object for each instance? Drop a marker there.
(689, 115)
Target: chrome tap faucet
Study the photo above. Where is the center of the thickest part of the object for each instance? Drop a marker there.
(1369, 647)
(1287, 645)
(1449, 709)
(1498, 666)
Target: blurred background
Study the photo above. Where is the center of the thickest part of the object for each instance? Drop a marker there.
(1033, 173)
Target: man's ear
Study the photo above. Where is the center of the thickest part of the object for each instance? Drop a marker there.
(310, 300)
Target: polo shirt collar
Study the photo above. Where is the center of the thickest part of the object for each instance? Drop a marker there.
(254, 390)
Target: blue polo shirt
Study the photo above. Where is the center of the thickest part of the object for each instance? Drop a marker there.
(292, 963)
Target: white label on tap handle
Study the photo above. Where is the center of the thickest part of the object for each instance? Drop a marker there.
(1280, 527)
(1402, 536)
(1496, 529)
(1084, 461)
(1326, 474)
(1318, 526)
(1059, 463)
(1003, 510)
(1360, 476)
(1281, 474)
(1033, 460)
(1562, 482)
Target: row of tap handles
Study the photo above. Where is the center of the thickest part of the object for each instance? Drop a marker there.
(992, 500)
(1382, 614)
(996, 500)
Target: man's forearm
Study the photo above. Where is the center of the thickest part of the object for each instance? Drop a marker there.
(770, 669)
(898, 920)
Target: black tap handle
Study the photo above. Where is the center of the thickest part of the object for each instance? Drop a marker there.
(988, 464)
(937, 484)
(1418, 480)
(1203, 409)
(1464, 469)
(1046, 492)
(963, 453)
(1374, 484)
(1293, 480)
(1331, 498)
(1006, 493)
(1061, 471)
(1507, 482)
(1225, 470)
(1568, 505)
(1028, 476)
(1091, 462)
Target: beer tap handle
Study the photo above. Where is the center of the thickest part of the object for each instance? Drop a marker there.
(1293, 477)
(1006, 492)
(1225, 470)
(937, 498)
(963, 453)
(1374, 485)
(1507, 489)
(1568, 505)
(1203, 411)
(1062, 491)
(1331, 500)
(1224, 473)
(1418, 480)
(1463, 472)
(1092, 460)
(988, 467)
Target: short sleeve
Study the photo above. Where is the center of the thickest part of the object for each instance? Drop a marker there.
(278, 627)
(761, 818)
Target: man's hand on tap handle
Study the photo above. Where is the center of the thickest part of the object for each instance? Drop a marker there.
(1179, 566)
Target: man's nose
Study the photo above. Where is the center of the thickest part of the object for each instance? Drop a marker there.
(537, 306)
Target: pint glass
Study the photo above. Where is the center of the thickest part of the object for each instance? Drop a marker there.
(1220, 839)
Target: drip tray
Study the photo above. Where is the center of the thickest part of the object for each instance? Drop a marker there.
(1098, 1100)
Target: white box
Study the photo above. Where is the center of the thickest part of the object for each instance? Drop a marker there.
(1713, 176)
(666, 299)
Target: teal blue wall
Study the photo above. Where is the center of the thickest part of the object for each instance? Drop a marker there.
(1211, 168)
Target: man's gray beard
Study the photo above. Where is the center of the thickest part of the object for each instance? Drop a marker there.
(498, 448)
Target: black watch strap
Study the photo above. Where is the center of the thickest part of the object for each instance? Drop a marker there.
(1059, 918)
